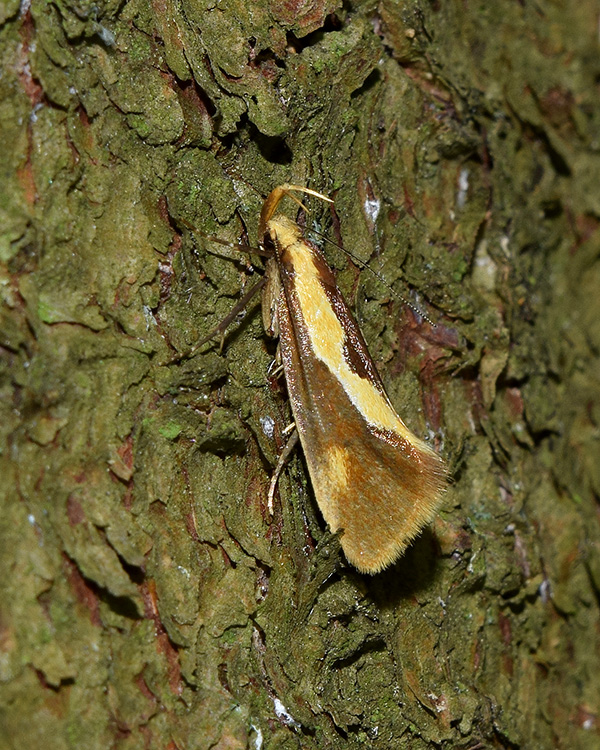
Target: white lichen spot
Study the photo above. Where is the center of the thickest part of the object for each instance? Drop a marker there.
(545, 590)
(485, 270)
(439, 701)
(463, 187)
(283, 714)
(33, 116)
(148, 317)
(106, 35)
(258, 740)
(268, 426)
(372, 207)
(470, 567)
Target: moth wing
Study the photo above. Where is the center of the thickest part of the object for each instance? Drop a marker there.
(378, 485)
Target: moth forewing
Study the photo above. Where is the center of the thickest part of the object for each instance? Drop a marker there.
(374, 480)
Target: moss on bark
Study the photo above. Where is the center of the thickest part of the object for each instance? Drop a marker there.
(146, 598)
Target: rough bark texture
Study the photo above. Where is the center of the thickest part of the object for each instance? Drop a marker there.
(147, 599)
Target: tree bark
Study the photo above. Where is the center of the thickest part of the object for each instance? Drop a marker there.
(147, 598)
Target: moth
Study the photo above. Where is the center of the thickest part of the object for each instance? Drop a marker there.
(376, 483)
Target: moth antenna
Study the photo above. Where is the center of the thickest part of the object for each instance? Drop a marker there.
(308, 191)
(364, 265)
(298, 201)
(275, 196)
(286, 190)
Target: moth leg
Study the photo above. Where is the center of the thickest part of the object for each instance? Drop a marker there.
(276, 367)
(220, 329)
(283, 459)
(272, 292)
(289, 429)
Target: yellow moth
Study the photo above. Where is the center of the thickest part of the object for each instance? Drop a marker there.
(375, 482)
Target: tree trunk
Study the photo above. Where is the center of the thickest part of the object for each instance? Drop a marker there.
(148, 599)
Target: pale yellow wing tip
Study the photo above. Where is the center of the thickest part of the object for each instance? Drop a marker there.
(385, 557)
(376, 561)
